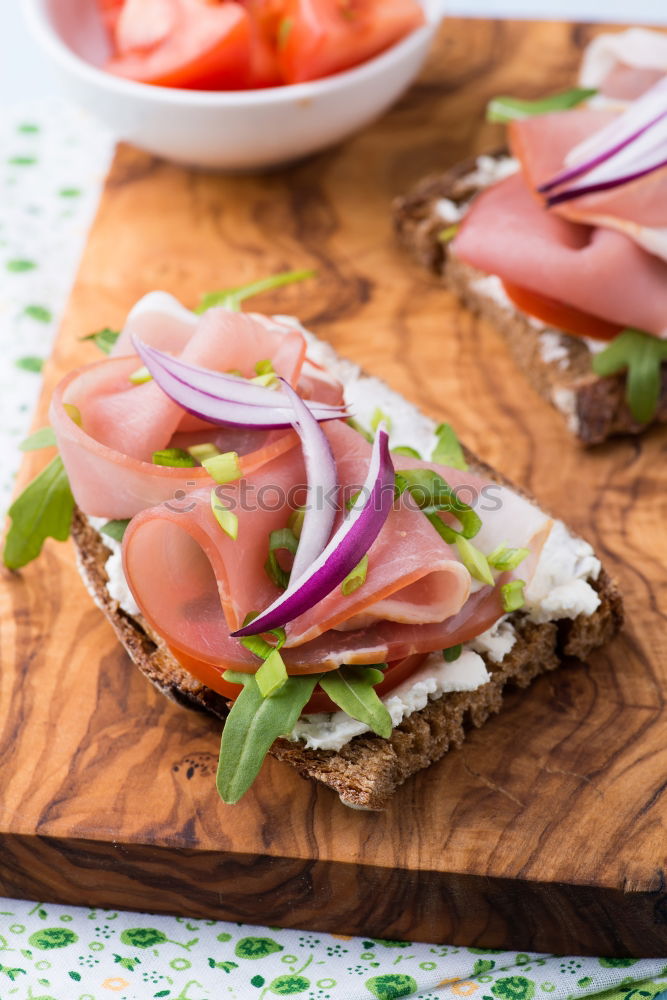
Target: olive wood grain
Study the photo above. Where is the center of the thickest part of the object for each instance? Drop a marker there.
(547, 829)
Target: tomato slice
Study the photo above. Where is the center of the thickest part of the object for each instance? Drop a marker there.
(559, 315)
(110, 11)
(212, 677)
(266, 16)
(320, 37)
(184, 43)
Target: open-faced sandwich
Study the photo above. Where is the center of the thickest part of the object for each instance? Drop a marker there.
(286, 543)
(561, 240)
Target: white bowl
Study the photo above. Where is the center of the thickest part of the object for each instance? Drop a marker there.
(233, 130)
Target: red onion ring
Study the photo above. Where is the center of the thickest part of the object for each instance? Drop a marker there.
(224, 399)
(348, 546)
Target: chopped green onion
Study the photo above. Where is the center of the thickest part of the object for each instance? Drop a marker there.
(505, 558)
(404, 449)
(231, 298)
(115, 529)
(265, 367)
(350, 502)
(512, 596)
(356, 578)
(448, 450)
(259, 646)
(447, 234)
(506, 109)
(474, 561)
(360, 429)
(224, 468)
(642, 355)
(236, 677)
(141, 376)
(104, 339)
(43, 438)
(377, 418)
(295, 523)
(74, 413)
(269, 381)
(201, 452)
(432, 494)
(272, 674)
(226, 518)
(452, 653)
(282, 540)
(174, 457)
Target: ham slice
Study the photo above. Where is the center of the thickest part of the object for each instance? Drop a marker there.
(639, 209)
(108, 460)
(407, 552)
(624, 65)
(194, 584)
(598, 271)
(107, 482)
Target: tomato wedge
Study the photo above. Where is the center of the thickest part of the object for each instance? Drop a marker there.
(560, 315)
(266, 16)
(320, 702)
(184, 43)
(320, 37)
(110, 11)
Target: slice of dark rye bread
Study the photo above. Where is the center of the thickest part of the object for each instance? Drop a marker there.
(367, 771)
(595, 406)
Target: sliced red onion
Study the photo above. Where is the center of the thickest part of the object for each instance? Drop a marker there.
(224, 399)
(579, 192)
(631, 146)
(348, 546)
(320, 512)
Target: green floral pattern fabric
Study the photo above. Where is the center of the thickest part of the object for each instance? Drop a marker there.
(50, 952)
(52, 161)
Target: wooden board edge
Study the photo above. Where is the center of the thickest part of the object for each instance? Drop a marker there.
(337, 898)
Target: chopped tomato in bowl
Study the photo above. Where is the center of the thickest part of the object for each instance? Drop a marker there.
(217, 98)
(320, 37)
(247, 44)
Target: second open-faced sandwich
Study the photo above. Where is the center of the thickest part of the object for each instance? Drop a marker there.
(561, 240)
(284, 542)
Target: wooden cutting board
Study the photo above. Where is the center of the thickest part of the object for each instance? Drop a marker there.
(547, 830)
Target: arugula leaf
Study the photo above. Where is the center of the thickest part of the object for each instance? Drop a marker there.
(251, 727)
(642, 355)
(104, 339)
(506, 109)
(351, 688)
(448, 450)
(44, 510)
(231, 298)
(115, 529)
(45, 437)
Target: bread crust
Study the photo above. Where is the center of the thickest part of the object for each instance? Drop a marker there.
(597, 406)
(366, 772)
